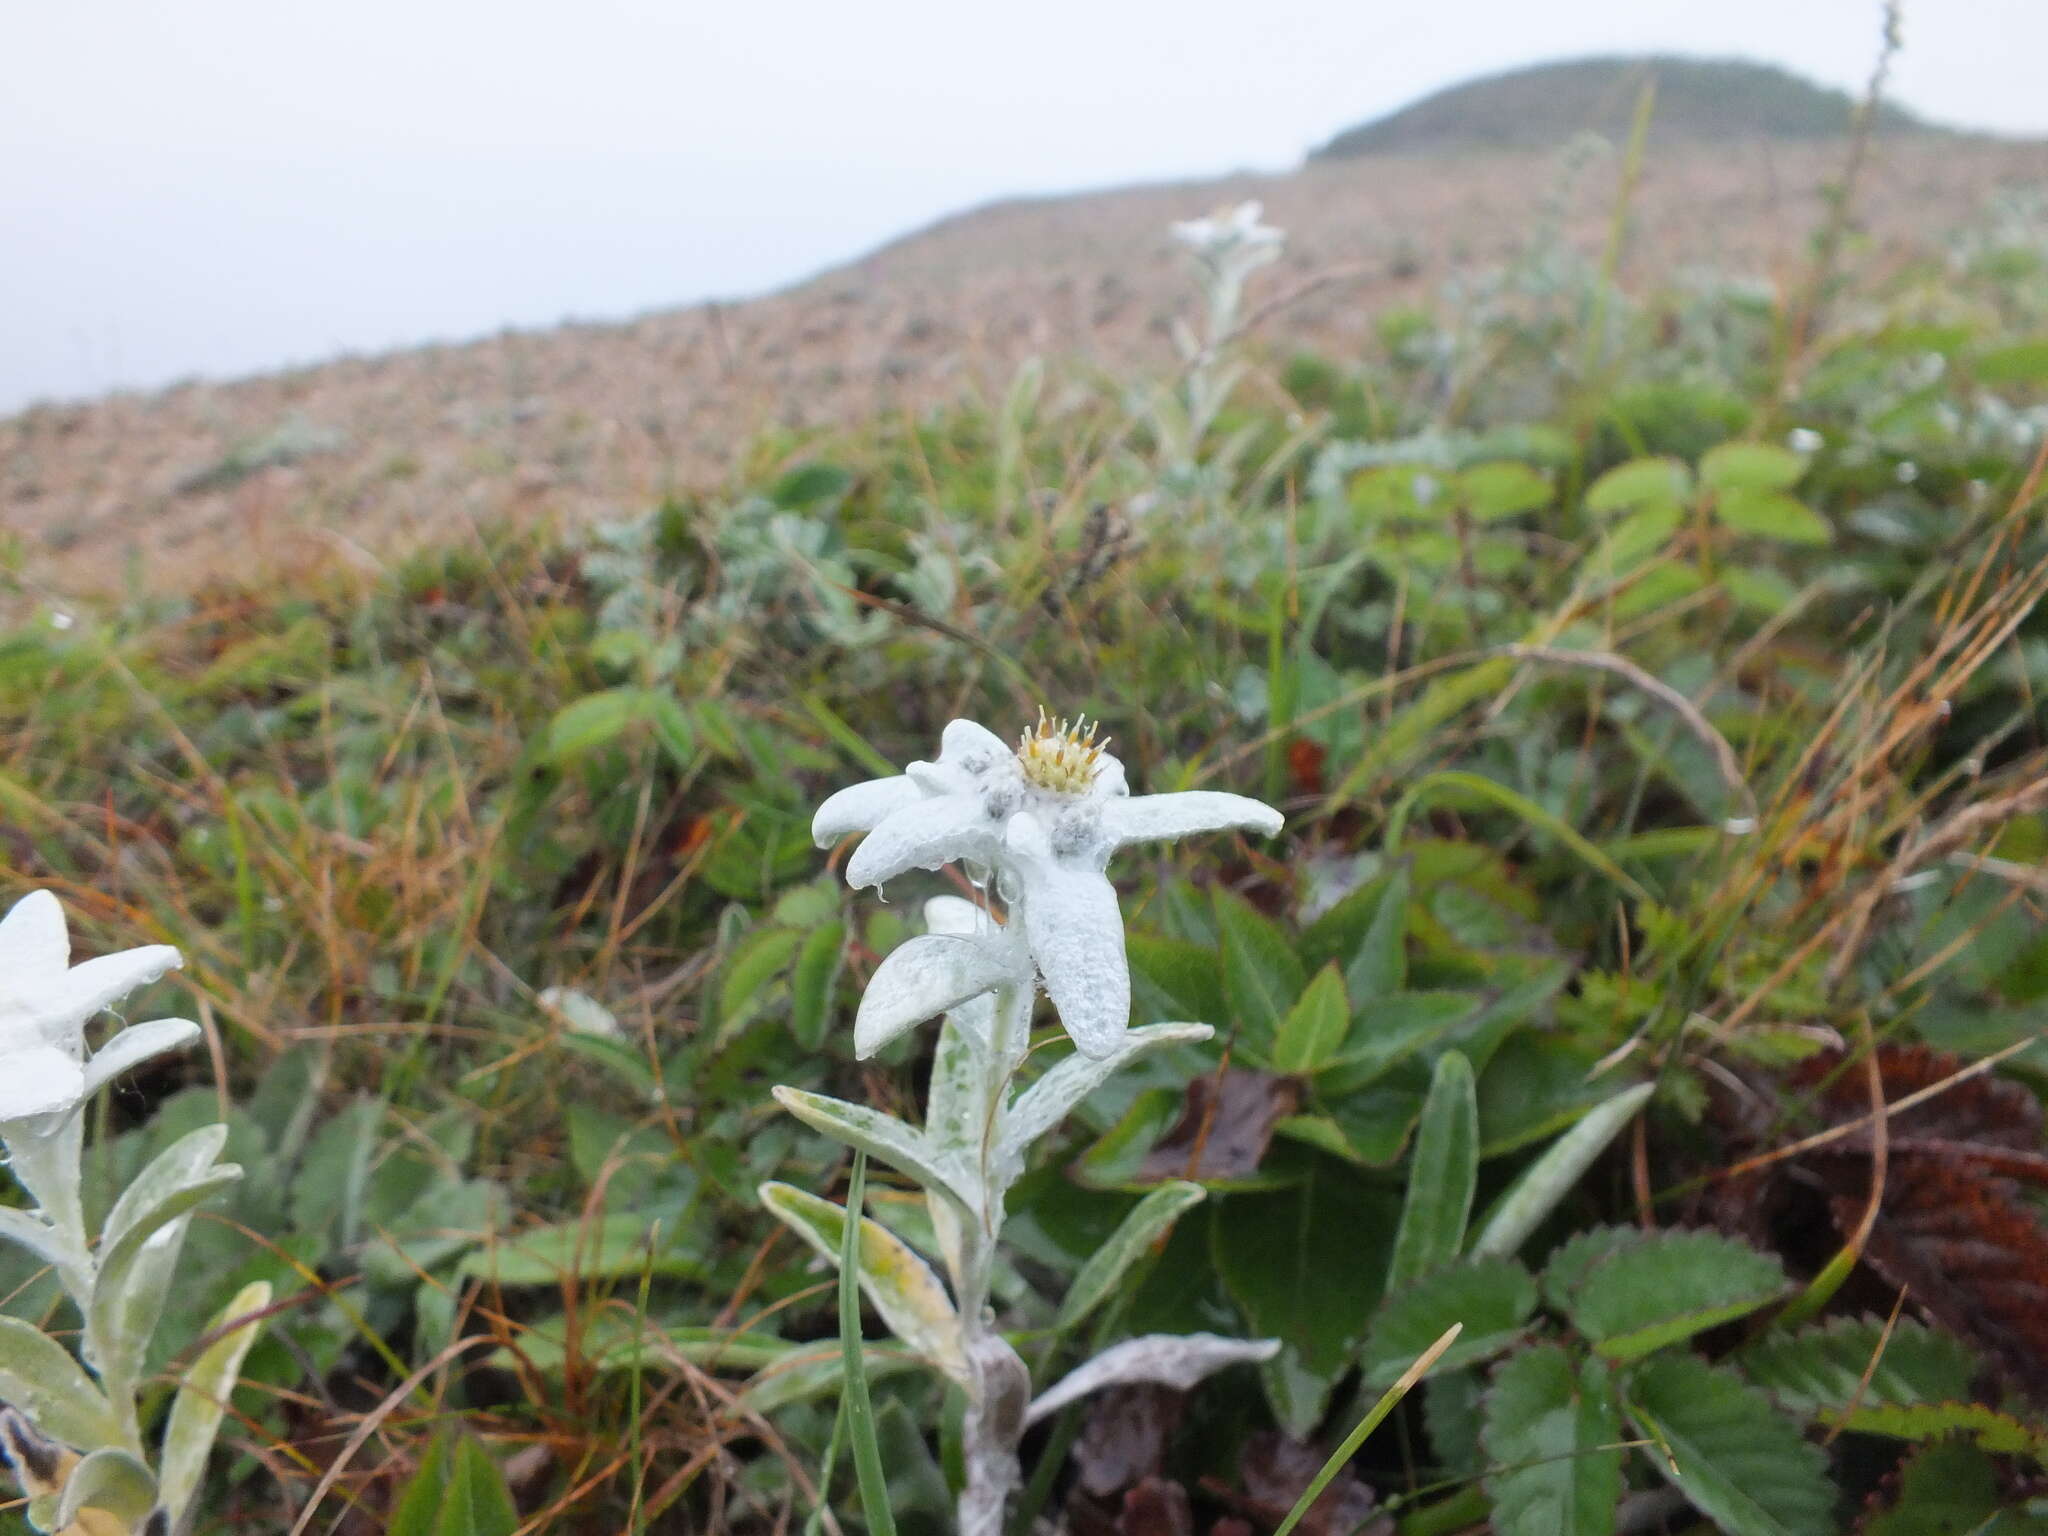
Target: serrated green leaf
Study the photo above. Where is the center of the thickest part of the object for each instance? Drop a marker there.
(1442, 1176)
(1660, 1287)
(1751, 467)
(1551, 1438)
(1772, 515)
(1315, 1027)
(1148, 1221)
(1988, 1427)
(1451, 1403)
(1573, 1259)
(1639, 482)
(1736, 1459)
(1951, 1488)
(1492, 1298)
(1262, 976)
(1849, 1360)
(202, 1399)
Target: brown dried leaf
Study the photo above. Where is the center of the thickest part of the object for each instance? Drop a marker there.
(1970, 1254)
(1275, 1471)
(1224, 1128)
(1985, 1110)
(1124, 1438)
(1157, 1507)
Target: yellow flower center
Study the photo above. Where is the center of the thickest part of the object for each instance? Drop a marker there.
(1061, 757)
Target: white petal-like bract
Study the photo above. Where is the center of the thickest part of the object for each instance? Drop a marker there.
(923, 977)
(1076, 933)
(135, 1045)
(1150, 818)
(860, 807)
(924, 835)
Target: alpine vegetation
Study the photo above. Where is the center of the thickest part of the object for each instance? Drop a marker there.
(73, 1431)
(1037, 825)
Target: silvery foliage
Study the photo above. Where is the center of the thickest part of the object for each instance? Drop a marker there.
(1225, 249)
(71, 1428)
(1037, 824)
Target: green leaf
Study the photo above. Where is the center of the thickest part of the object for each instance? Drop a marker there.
(108, 1479)
(754, 964)
(1304, 1265)
(1951, 1488)
(1315, 1026)
(1451, 1404)
(879, 1135)
(1635, 538)
(1379, 966)
(1391, 1029)
(1573, 1259)
(1551, 1177)
(2023, 362)
(1173, 979)
(202, 1399)
(1639, 482)
(39, 1377)
(1751, 467)
(1988, 1427)
(1492, 1298)
(811, 984)
(1442, 1175)
(857, 1407)
(1739, 1461)
(1772, 515)
(1551, 1436)
(1659, 1287)
(458, 1491)
(615, 1246)
(598, 719)
(1262, 976)
(1502, 489)
(1148, 1220)
(1848, 1360)
(898, 1284)
(135, 1270)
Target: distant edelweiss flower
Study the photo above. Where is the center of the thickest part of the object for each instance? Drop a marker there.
(45, 1002)
(1046, 816)
(1233, 234)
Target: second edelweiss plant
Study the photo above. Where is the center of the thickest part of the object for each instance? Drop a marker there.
(1038, 823)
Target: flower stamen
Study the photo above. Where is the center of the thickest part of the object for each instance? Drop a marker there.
(1060, 757)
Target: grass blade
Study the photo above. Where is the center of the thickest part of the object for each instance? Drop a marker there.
(1372, 1421)
(860, 1408)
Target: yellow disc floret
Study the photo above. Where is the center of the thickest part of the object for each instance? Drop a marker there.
(1061, 757)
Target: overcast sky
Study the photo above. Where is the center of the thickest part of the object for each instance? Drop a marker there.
(223, 186)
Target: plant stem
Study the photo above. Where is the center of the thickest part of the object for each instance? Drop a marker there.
(1000, 1388)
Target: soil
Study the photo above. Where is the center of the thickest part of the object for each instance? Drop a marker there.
(363, 457)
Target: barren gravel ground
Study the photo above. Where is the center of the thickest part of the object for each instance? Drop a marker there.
(591, 421)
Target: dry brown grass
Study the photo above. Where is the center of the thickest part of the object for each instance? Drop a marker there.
(589, 421)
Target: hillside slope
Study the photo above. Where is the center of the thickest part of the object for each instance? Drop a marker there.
(1697, 101)
(364, 456)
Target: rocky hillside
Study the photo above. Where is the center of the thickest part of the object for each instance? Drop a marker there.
(365, 455)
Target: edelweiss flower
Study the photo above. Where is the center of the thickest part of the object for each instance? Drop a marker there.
(1232, 237)
(45, 1002)
(1046, 817)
